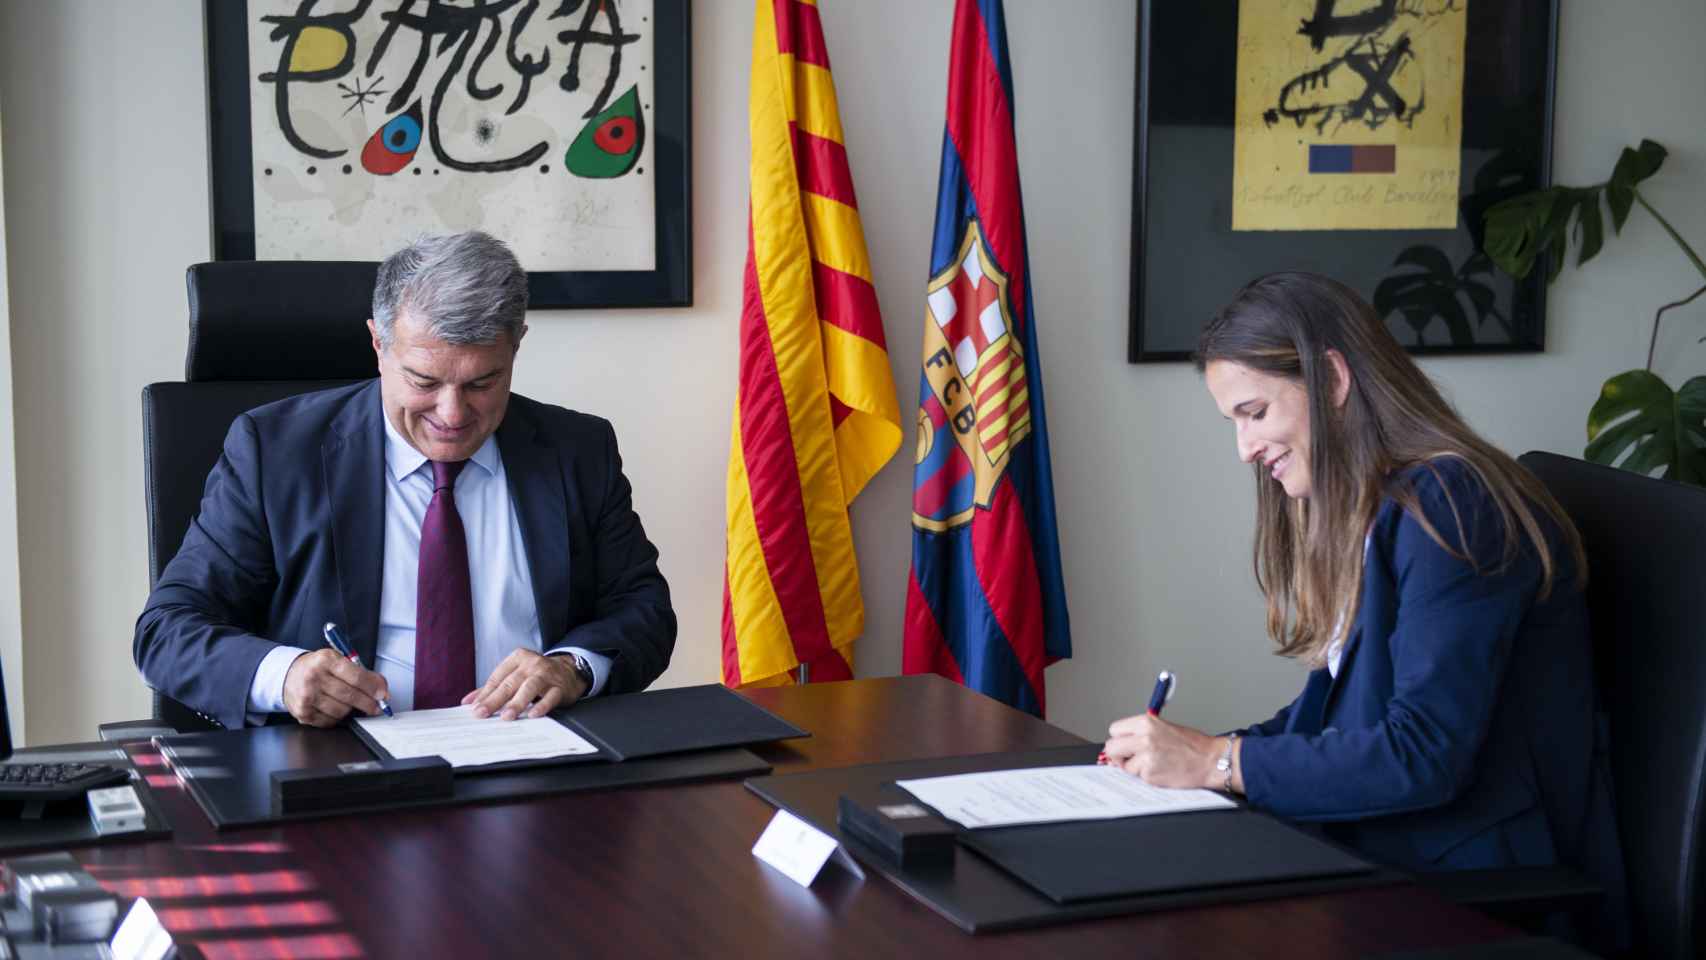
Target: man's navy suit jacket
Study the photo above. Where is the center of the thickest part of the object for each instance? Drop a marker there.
(1461, 730)
(291, 535)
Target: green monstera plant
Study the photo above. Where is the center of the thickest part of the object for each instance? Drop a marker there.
(1638, 423)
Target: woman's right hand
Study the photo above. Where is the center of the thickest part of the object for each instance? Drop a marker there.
(1164, 754)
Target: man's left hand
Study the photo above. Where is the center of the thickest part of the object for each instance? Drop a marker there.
(528, 684)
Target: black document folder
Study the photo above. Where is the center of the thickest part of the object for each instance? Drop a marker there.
(229, 772)
(658, 722)
(631, 726)
(998, 878)
(1134, 856)
(661, 736)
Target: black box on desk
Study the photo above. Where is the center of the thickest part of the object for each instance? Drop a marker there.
(11, 870)
(360, 784)
(897, 826)
(79, 916)
(36, 889)
(62, 906)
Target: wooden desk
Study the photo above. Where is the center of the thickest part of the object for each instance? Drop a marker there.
(668, 871)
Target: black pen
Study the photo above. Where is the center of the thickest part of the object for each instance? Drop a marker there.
(335, 640)
(1163, 692)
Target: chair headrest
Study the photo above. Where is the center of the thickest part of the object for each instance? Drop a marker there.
(280, 320)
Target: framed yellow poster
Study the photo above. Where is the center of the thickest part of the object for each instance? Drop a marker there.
(1362, 139)
(1353, 120)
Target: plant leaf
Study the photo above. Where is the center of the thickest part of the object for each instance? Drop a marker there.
(1592, 227)
(1456, 321)
(1418, 317)
(1620, 198)
(1516, 229)
(1394, 291)
(1691, 432)
(1640, 421)
(1432, 260)
(1555, 234)
(1478, 262)
(1556, 238)
(1482, 298)
(1635, 164)
(1653, 153)
(1557, 228)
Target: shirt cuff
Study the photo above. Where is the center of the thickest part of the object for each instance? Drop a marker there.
(599, 663)
(266, 690)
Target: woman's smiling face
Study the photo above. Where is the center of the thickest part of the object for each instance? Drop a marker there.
(1271, 417)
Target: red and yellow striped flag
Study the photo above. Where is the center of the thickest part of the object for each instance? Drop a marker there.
(815, 417)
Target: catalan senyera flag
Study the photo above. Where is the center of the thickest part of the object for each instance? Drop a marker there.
(986, 605)
(816, 415)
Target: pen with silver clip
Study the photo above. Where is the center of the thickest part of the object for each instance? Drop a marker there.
(335, 640)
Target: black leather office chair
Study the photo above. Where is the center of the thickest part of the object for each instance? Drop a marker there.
(259, 332)
(1646, 547)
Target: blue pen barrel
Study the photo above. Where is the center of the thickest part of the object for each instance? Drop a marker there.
(1163, 692)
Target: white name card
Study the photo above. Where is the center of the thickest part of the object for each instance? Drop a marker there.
(799, 849)
(140, 936)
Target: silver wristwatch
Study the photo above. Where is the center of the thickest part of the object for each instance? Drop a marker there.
(582, 670)
(1224, 764)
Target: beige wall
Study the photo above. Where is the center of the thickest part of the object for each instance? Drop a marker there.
(11, 631)
(106, 152)
(106, 204)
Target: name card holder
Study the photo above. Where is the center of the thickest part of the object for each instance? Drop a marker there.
(799, 850)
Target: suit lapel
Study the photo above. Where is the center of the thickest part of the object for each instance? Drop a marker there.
(536, 492)
(353, 458)
(1354, 640)
(1345, 656)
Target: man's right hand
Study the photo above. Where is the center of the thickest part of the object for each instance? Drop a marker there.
(321, 688)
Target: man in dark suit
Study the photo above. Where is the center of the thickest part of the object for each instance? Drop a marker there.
(475, 547)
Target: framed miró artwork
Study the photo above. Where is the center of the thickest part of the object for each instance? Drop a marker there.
(343, 129)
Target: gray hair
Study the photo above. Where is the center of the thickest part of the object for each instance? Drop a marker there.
(468, 288)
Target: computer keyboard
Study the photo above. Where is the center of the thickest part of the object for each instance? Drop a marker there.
(56, 781)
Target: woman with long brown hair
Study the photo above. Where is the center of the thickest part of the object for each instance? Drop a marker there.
(1433, 584)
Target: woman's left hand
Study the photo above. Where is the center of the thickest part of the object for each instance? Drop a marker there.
(1164, 754)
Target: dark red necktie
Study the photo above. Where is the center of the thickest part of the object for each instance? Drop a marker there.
(444, 603)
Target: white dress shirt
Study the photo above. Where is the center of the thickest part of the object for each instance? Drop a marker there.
(505, 615)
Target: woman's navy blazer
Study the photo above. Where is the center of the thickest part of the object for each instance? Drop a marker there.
(1462, 731)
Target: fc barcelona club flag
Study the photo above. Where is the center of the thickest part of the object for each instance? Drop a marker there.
(815, 412)
(986, 605)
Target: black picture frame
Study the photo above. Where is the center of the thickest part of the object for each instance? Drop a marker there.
(669, 284)
(1186, 260)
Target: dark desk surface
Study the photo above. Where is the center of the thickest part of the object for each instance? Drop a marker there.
(669, 871)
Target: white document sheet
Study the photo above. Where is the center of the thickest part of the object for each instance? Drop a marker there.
(464, 740)
(1002, 798)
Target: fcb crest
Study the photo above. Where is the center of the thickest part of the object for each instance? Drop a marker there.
(975, 405)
